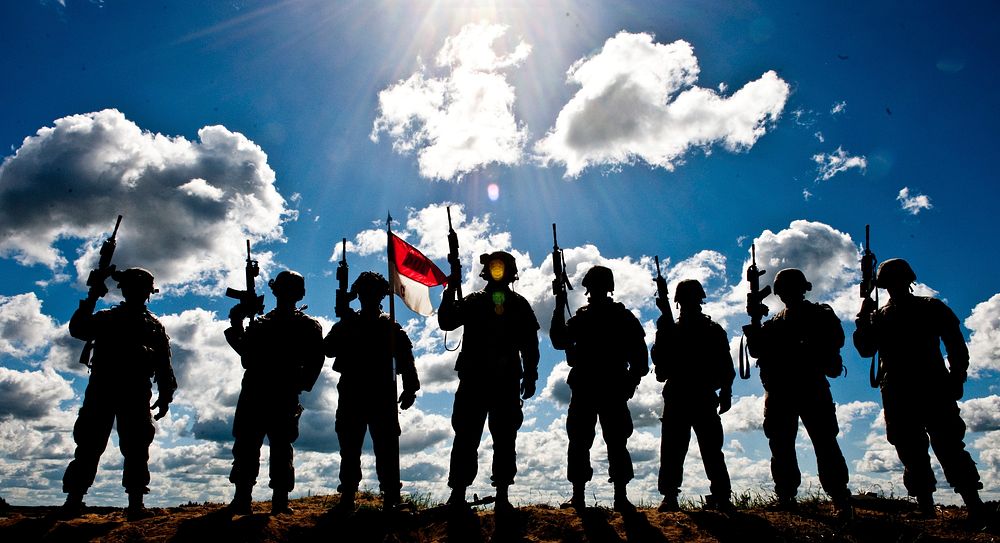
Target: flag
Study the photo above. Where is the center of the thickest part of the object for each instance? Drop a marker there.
(411, 274)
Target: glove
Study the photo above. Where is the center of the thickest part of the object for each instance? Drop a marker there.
(406, 399)
(99, 290)
(868, 306)
(163, 403)
(725, 401)
(236, 315)
(527, 388)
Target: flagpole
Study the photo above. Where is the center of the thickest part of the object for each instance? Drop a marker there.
(391, 254)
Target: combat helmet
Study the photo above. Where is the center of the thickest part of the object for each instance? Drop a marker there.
(599, 278)
(288, 283)
(790, 280)
(498, 267)
(689, 290)
(135, 277)
(369, 281)
(894, 272)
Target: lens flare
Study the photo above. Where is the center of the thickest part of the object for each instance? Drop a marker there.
(493, 192)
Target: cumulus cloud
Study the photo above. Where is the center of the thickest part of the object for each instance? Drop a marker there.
(984, 343)
(638, 101)
(838, 107)
(829, 165)
(24, 329)
(913, 204)
(982, 414)
(188, 205)
(31, 395)
(462, 121)
(746, 415)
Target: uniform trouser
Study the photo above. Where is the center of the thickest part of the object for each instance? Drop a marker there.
(255, 419)
(477, 400)
(585, 408)
(782, 411)
(103, 405)
(382, 421)
(679, 418)
(912, 421)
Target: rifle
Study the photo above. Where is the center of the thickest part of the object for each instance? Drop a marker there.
(252, 303)
(868, 266)
(561, 282)
(455, 278)
(97, 277)
(662, 293)
(104, 266)
(343, 304)
(755, 306)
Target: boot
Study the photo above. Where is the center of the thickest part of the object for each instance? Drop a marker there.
(242, 503)
(622, 505)
(842, 507)
(784, 503)
(978, 514)
(721, 504)
(577, 501)
(390, 501)
(279, 503)
(669, 504)
(925, 505)
(136, 510)
(346, 504)
(457, 499)
(73, 507)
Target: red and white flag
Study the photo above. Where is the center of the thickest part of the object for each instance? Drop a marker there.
(411, 275)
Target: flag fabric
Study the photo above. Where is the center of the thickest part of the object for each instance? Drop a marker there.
(411, 275)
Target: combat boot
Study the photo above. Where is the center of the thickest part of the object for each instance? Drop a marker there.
(242, 503)
(136, 510)
(669, 504)
(73, 507)
(978, 515)
(346, 504)
(721, 504)
(577, 501)
(279, 503)
(457, 499)
(622, 505)
(925, 506)
(390, 501)
(843, 508)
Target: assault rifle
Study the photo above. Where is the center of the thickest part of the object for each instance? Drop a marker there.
(868, 266)
(251, 303)
(343, 301)
(755, 306)
(662, 293)
(560, 283)
(104, 266)
(455, 278)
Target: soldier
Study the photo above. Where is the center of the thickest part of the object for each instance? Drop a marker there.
(365, 345)
(692, 356)
(919, 393)
(497, 369)
(282, 353)
(797, 350)
(607, 353)
(129, 346)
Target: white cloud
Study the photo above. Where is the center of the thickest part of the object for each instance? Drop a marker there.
(746, 415)
(829, 165)
(188, 205)
(24, 329)
(913, 204)
(847, 413)
(984, 343)
(29, 395)
(982, 414)
(838, 107)
(819, 136)
(638, 101)
(461, 122)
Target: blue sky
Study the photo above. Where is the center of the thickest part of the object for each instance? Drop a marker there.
(687, 130)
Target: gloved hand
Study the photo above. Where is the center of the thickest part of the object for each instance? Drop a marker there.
(406, 399)
(868, 306)
(236, 315)
(725, 401)
(99, 290)
(163, 403)
(527, 388)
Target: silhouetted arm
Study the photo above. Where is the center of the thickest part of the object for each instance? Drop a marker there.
(865, 336)
(312, 354)
(660, 352)
(405, 366)
(81, 324)
(954, 341)
(638, 356)
(561, 332)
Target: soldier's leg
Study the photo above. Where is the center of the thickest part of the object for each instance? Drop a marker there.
(947, 434)
(468, 418)
(282, 431)
(385, 432)
(781, 424)
(581, 422)
(90, 432)
(505, 418)
(350, 426)
(904, 429)
(249, 429)
(675, 436)
(135, 434)
(616, 427)
(708, 429)
(819, 416)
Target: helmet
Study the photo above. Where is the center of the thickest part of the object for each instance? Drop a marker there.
(288, 283)
(689, 290)
(790, 279)
(370, 281)
(134, 277)
(893, 272)
(498, 267)
(599, 278)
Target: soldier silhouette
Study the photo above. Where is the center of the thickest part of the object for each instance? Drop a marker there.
(282, 353)
(497, 369)
(365, 344)
(129, 346)
(692, 356)
(607, 353)
(797, 350)
(919, 392)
